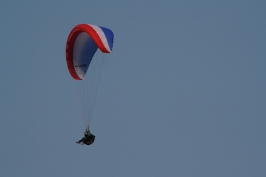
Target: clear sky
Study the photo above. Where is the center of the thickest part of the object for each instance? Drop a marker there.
(182, 94)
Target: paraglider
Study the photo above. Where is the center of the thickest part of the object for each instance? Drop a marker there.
(81, 56)
(88, 138)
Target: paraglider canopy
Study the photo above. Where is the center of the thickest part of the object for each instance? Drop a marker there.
(84, 59)
(82, 43)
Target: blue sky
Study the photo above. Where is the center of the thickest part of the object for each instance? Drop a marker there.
(182, 94)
